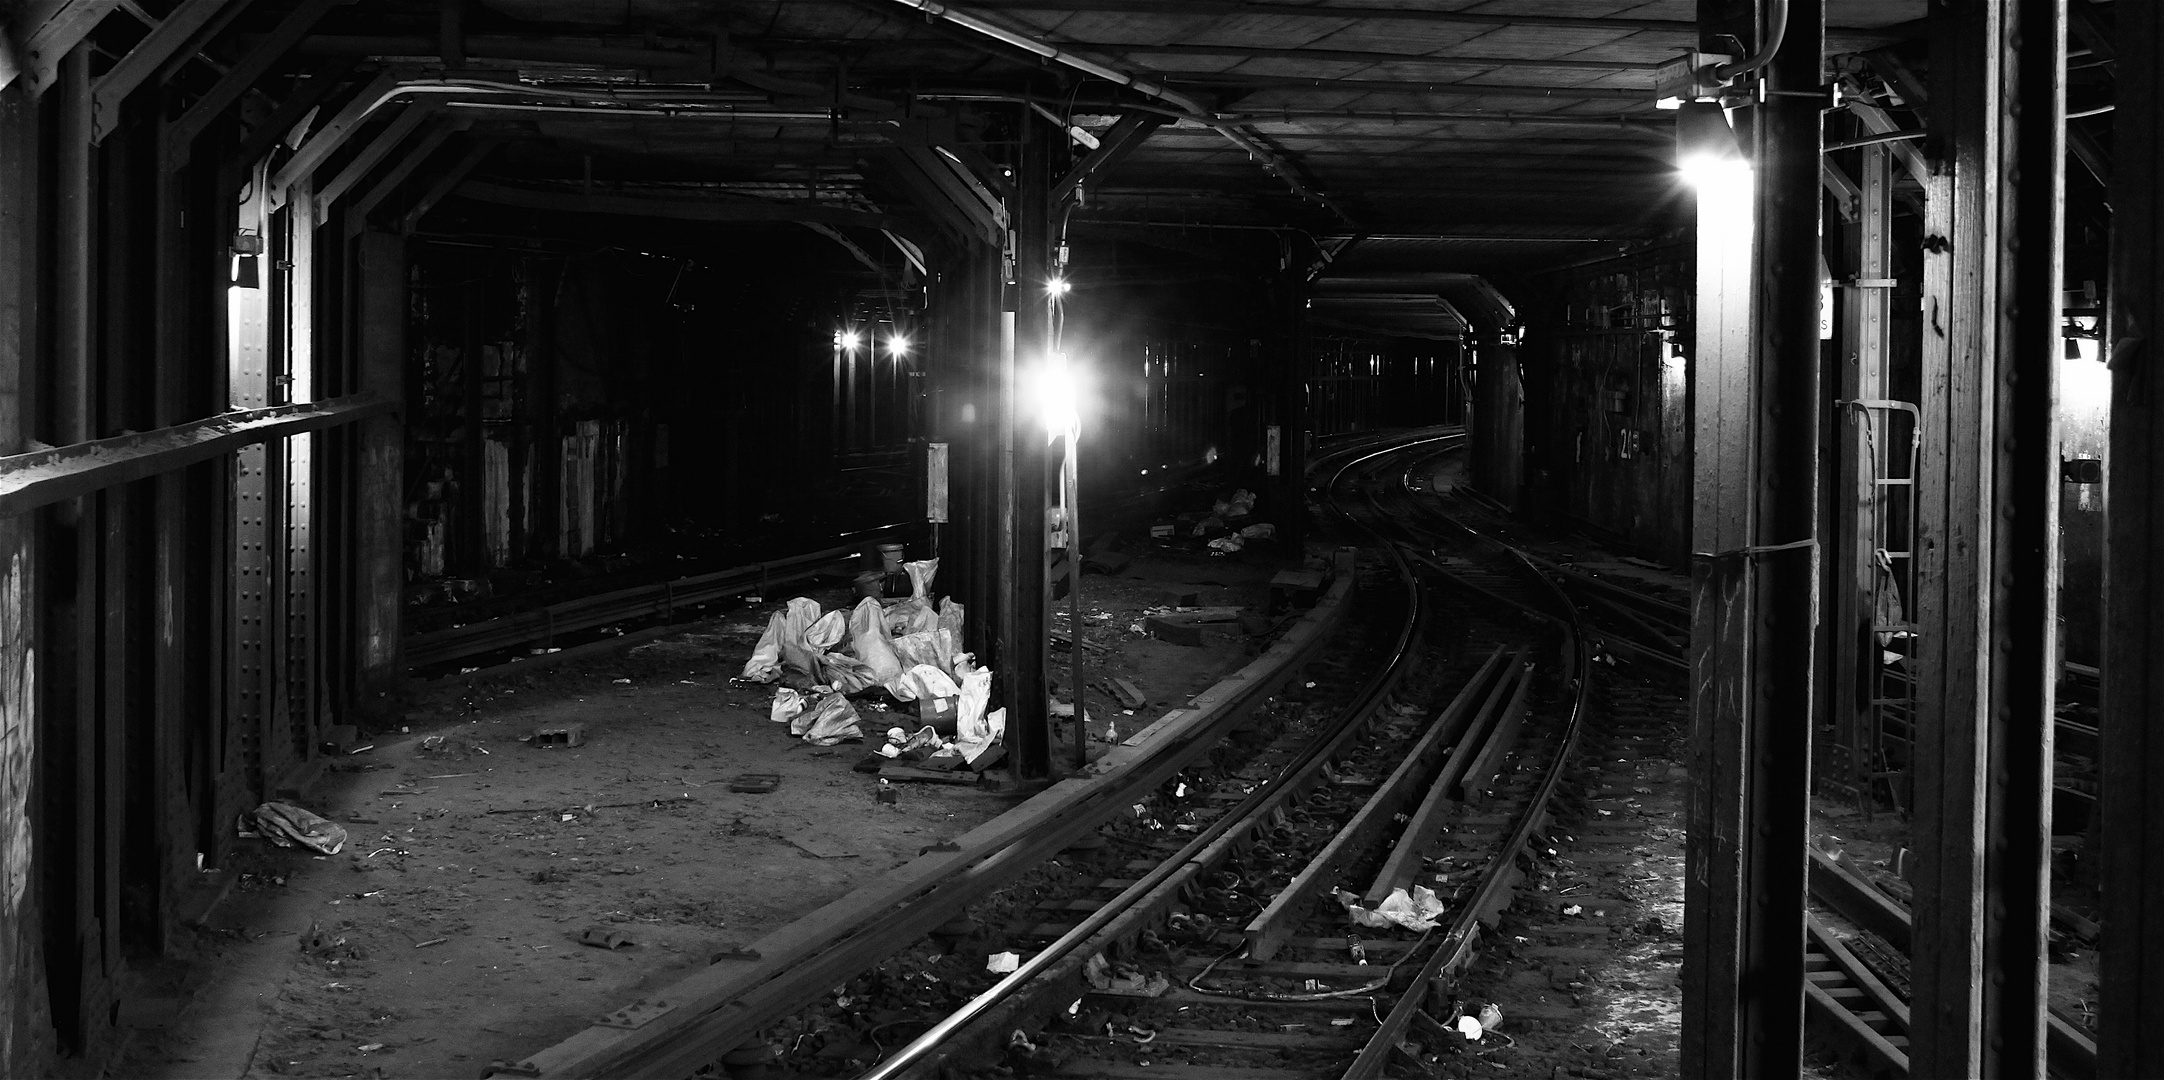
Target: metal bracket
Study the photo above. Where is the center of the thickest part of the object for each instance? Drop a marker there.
(636, 1015)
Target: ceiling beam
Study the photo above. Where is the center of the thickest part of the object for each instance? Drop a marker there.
(1399, 86)
(676, 208)
(1351, 56)
(48, 30)
(1678, 27)
(178, 136)
(1113, 147)
(184, 31)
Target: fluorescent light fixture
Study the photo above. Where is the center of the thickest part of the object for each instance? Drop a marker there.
(1706, 150)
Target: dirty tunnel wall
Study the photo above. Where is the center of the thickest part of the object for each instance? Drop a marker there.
(567, 405)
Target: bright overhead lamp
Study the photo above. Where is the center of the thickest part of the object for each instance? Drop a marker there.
(1057, 286)
(847, 339)
(898, 345)
(1706, 150)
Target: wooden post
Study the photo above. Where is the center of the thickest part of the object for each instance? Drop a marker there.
(1987, 569)
(1755, 361)
(2131, 959)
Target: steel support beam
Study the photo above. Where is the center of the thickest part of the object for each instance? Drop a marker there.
(451, 178)
(1755, 368)
(678, 209)
(47, 30)
(370, 156)
(178, 136)
(1987, 568)
(330, 135)
(357, 214)
(2131, 732)
(184, 30)
(28, 481)
(1125, 137)
(1022, 482)
(1853, 495)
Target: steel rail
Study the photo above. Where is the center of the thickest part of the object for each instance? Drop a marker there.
(660, 599)
(1502, 875)
(1210, 846)
(712, 1012)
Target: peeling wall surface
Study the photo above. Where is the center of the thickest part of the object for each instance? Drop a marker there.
(1610, 339)
(21, 973)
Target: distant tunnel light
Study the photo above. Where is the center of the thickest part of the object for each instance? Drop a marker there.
(847, 339)
(1057, 286)
(898, 345)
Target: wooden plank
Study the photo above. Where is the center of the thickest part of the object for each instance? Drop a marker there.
(43, 477)
(1404, 861)
(2130, 728)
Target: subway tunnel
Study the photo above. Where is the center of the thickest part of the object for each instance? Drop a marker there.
(1672, 443)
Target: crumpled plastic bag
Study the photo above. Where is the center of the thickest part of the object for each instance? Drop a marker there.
(922, 681)
(784, 634)
(911, 617)
(933, 647)
(1124, 981)
(846, 673)
(868, 638)
(1228, 544)
(788, 705)
(831, 720)
(1261, 530)
(921, 574)
(286, 825)
(1415, 911)
(951, 617)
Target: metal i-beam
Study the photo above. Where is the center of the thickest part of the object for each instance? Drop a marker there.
(357, 214)
(330, 136)
(177, 136)
(48, 31)
(372, 155)
(1125, 137)
(1853, 496)
(475, 154)
(1987, 565)
(2130, 959)
(1023, 488)
(1754, 600)
(185, 29)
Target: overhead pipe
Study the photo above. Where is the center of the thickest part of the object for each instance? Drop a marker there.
(1188, 108)
(1778, 9)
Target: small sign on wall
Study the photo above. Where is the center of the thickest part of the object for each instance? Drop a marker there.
(935, 483)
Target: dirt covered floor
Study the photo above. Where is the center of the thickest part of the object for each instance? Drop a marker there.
(446, 934)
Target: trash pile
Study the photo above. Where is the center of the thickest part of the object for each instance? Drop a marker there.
(1226, 529)
(901, 651)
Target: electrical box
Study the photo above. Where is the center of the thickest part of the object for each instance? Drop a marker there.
(1688, 77)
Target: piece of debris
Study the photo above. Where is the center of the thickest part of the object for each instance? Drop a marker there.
(1129, 694)
(1001, 963)
(567, 735)
(286, 825)
(754, 783)
(602, 938)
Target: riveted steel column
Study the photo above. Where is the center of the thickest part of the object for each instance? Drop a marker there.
(2131, 960)
(1987, 569)
(1026, 586)
(1755, 371)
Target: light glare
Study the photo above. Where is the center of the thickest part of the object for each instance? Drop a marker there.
(1711, 172)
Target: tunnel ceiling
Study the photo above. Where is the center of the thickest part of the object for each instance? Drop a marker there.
(1468, 135)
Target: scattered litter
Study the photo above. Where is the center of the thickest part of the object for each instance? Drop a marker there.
(788, 705)
(1470, 1028)
(621, 682)
(1573, 909)
(1123, 981)
(1001, 963)
(566, 735)
(286, 826)
(754, 783)
(369, 1048)
(831, 720)
(1491, 1017)
(603, 938)
(431, 941)
(1416, 910)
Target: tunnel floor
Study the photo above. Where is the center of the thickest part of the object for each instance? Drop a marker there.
(445, 934)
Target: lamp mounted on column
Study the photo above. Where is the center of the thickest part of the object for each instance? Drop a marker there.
(1706, 150)
(247, 252)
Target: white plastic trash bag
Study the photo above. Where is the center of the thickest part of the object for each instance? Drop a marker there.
(920, 682)
(934, 647)
(921, 574)
(832, 720)
(950, 618)
(911, 617)
(286, 826)
(846, 673)
(788, 705)
(868, 637)
(1417, 910)
(784, 632)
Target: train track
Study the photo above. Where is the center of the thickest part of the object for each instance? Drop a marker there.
(1226, 951)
